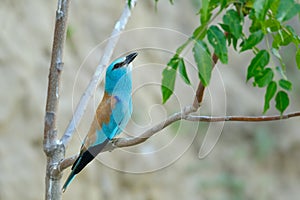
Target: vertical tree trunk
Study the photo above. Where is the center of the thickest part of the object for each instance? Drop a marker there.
(52, 147)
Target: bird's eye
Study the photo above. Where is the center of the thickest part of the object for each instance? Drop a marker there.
(118, 65)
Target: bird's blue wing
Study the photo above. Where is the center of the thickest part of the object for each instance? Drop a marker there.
(119, 118)
(113, 115)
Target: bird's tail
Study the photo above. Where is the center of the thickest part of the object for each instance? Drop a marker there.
(68, 181)
(83, 160)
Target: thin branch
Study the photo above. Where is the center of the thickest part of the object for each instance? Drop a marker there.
(65, 163)
(126, 142)
(52, 148)
(112, 41)
(241, 118)
(147, 134)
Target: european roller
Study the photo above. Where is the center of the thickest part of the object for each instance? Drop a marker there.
(112, 114)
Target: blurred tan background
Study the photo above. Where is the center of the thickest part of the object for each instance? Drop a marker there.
(249, 160)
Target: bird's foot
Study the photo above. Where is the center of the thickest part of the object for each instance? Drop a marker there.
(112, 141)
(112, 145)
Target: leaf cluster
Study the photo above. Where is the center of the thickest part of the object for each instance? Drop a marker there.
(267, 18)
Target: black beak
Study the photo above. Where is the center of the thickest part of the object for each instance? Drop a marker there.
(127, 60)
(130, 58)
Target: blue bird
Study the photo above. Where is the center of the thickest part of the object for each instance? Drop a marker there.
(112, 114)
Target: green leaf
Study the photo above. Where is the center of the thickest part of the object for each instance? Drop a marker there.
(274, 6)
(173, 62)
(271, 25)
(223, 4)
(168, 82)
(261, 7)
(200, 32)
(285, 84)
(230, 37)
(270, 92)
(203, 60)
(225, 27)
(252, 40)
(282, 101)
(282, 38)
(258, 63)
(264, 78)
(182, 71)
(234, 43)
(218, 40)
(233, 20)
(129, 3)
(205, 13)
(169, 77)
(295, 36)
(298, 58)
(214, 3)
(256, 25)
(286, 10)
(289, 30)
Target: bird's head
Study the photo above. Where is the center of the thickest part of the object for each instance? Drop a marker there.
(119, 72)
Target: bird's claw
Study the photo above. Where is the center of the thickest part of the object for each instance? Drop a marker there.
(112, 141)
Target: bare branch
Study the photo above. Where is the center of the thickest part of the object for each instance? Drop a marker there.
(240, 118)
(126, 142)
(112, 41)
(65, 163)
(56, 66)
(147, 134)
(52, 148)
